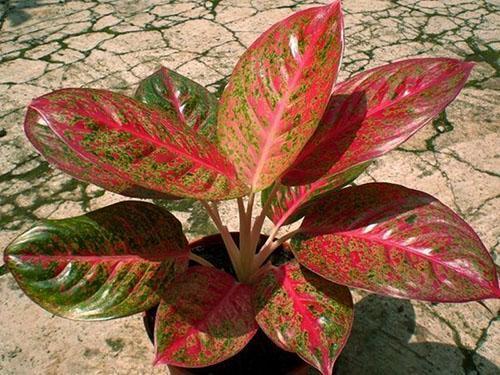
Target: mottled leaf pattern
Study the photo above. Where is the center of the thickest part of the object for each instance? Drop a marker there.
(187, 101)
(304, 313)
(204, 318)
(278, 93)
(109, 263)
(139, 144)
(64, 158)
(374, 112)
(290, 202)
(367, 116)
(395, 241)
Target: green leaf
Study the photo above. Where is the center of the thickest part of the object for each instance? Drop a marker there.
(183, 99)
(106, 264)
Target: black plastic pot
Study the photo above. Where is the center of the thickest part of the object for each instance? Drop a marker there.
(261, 356)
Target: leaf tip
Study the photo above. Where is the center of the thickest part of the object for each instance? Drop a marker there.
(158, 360)
(334, 3)
(334, 7)
(496, 292)
(467, 66)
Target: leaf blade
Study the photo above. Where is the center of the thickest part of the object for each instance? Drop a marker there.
(187, 101)
(102, 265)
(291, 202)
(58, 154)
(367, 116)
(304, 313)
(374, 112)
(395, 241)
(141, 145)
(278, 92)
(207, 318)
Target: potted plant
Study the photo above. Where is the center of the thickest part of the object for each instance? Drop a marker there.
(279, 129)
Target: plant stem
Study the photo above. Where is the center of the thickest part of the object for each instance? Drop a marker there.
(287, 236)
(241, 207)
(259, 221)
(245, 260)
(269, 241)
(268, 248)
(200, 260)
(243, 219)
(247, 252)
(244, 235)
(250, 202)
(232, 249)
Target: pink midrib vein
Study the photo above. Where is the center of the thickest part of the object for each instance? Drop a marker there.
(196, 326)
(414, 251)
(171, 89)
(415, 125)
(314, 337)
(111, 124)
(383, 105)
(278, 114)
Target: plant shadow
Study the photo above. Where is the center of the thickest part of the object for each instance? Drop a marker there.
(15, 12)
(379, 344)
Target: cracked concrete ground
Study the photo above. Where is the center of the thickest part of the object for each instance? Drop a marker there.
(46, 45)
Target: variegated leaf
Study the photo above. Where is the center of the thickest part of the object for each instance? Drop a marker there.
(291, 202)
(58, 154)
(395, 241)
(109, 263)
(205, 317)
(367, 116)
(141, 145)
(187, 101)
(304, 313)
(278, 93)
(374, 112)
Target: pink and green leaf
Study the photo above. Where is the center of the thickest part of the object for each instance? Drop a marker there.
(144, 146)
(367, 116)
(304, 313)
(374, 112)
(58, 154)
(395, 241)
(291, 202)
(109, 263)
(278, 93)
(187, 101)
(205, 317)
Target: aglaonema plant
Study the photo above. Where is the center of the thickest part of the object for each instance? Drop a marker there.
(281, 128)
